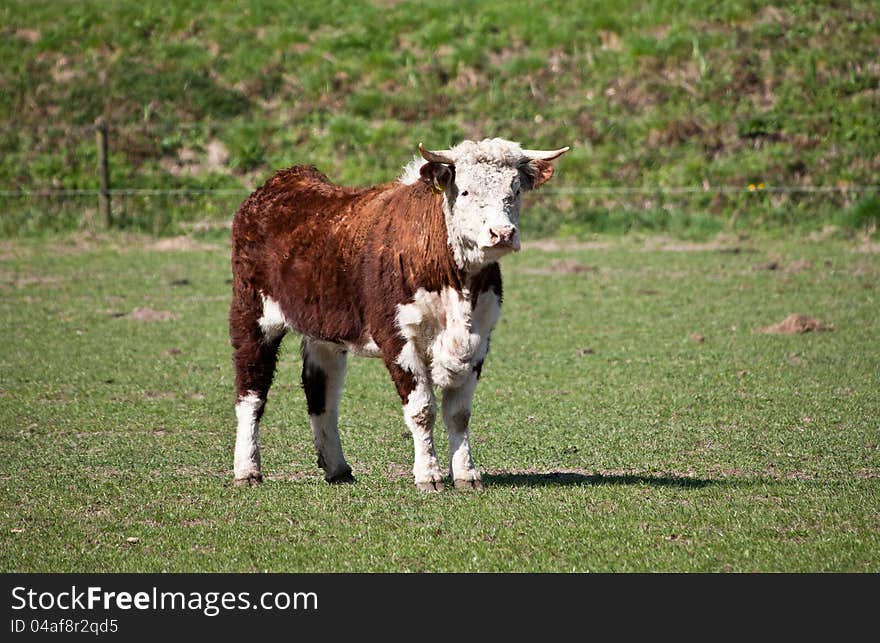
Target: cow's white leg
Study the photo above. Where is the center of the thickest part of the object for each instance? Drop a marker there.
(255, 354)
(456, 407)
(246, 462)
(323, 376)
(419, 413)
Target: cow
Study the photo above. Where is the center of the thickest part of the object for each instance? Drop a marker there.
(406, 271)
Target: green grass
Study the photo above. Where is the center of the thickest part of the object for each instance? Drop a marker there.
(647, 93)
(650, 451)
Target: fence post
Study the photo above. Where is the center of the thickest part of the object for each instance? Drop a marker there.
(103, 171)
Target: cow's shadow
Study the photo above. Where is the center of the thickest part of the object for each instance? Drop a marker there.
(575, 479)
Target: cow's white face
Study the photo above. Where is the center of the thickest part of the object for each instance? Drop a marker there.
(482, 208)
(482, 184)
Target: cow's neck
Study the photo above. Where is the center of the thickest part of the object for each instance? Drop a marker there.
(426, 256)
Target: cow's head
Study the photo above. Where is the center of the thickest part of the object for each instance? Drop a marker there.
(482, 185)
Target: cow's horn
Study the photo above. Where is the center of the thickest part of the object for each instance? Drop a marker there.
(436, 157)
(543, 155)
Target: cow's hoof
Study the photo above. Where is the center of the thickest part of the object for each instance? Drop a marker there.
(430, 485)
(251, 480)
(344, 477)
(468, 484)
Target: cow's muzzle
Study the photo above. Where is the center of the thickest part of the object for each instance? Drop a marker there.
(504, 237)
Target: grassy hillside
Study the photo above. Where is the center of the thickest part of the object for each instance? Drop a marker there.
(648, 94)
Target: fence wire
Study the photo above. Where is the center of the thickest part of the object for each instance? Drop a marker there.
(174, 210)
(584, 190)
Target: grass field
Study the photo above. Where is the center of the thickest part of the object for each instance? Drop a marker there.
(629, 418)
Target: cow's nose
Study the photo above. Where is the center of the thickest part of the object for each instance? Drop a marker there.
(502, 235)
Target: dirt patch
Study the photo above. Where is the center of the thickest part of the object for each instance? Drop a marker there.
(80, 242)
(290, 476)
(610, 40)
(690, 246)
(124, 242)
(770, 473)
(632, 95)
(396, 471)
(825, 233)
(12, 251)
(150, 315)
(777, 265)
(190, 162)
(468, 78)
(555, 245)
(674, 133)
(37, 280)
(682, 538)
(868, 247)
(180, 244)
(157, 396)
(794, 324)
(83, 242)
(722, 243)
(29, 35)
(796, 359)
(798, 266)
(571, 267)
(207, 225)
(194, 472)
(562, 267)
(102, 473)
(22, 281)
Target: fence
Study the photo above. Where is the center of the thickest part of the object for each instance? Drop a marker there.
(551, 210)
(161, 211)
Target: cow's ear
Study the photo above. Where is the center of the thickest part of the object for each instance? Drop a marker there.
(437, 175)
(537, 173)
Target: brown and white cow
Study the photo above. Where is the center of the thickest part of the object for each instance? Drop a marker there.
(406, 271)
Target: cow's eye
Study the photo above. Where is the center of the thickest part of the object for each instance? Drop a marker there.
(465, 193)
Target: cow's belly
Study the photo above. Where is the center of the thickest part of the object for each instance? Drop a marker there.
(446, 337)
(274, 323)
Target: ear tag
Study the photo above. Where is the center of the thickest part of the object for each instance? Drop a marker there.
(438, 189)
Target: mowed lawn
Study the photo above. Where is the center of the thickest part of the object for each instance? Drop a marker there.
(630, 418)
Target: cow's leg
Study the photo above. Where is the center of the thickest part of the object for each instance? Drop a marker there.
(323, 375)
(456, 407)
(255, 354)
(419, 412)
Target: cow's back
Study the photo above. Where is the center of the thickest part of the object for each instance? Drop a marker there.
(339, 260)
(292, 242)
(291, 198)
